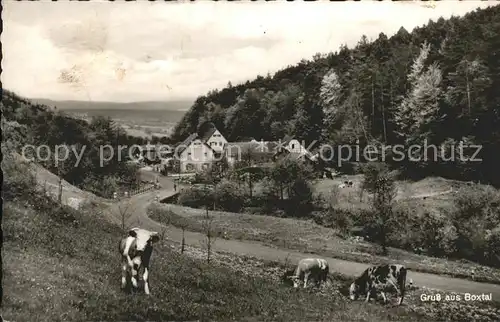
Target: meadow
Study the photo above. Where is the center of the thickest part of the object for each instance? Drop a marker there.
(141, 122)
(306, 235)
(48, 277)
(61, 264)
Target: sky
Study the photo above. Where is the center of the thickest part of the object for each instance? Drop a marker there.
(158, 51)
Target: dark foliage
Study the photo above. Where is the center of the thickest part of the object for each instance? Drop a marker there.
(39, 125)
(374, 85)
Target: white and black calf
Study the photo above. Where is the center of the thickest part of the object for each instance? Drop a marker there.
(136, 250)
(379, 279)
(307, 268)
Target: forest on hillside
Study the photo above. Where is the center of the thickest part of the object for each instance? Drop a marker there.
(438, 84)
(25, 122)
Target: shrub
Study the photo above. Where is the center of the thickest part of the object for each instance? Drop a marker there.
(300, 200)
(19, 182)
(341, 219)
(371, 171)
(448, 241)
(493, 246)
(229, 196)
(476, 211)
(195, 197)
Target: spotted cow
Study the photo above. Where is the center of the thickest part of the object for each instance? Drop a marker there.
(379, 279)
(136, 250)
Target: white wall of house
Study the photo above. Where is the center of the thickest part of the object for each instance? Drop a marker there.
(217, 141)
(196, 157)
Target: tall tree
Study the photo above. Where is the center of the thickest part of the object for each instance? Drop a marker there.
(330, 99)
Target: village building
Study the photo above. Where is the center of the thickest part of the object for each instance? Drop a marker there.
(250, 153)
(200, 150)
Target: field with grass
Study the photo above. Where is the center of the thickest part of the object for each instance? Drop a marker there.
(143, 122)
(49, 277)
(63, 265)
(432, 193)
(309, 237)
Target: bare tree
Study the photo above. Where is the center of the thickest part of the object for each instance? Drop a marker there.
(163, 233)
(60, 165)
(210, 235)
(125, 212)
(183, 241)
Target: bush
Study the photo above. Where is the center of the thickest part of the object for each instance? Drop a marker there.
(19, 182)
(229, 196)
(493, 246)
(341, 219)
(300, 200)
(477, 210)
(196, 197)
(371, 171)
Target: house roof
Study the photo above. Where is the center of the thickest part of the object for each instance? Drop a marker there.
(233, 148)
(207, 135)
(184, 144)
(286, 139)
(268, 146)
(153, 147)
(258, 148)
(286, 154)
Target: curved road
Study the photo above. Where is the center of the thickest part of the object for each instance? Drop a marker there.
(139, 204)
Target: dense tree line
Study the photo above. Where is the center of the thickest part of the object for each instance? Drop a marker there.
(29, 123)
(438, 84)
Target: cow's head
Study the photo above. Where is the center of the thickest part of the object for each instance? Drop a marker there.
(354, 291)
(144, 237)
(295, 281)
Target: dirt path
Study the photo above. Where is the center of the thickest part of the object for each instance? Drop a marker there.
(261, 251)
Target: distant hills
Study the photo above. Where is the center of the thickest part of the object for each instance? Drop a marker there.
(180, 105)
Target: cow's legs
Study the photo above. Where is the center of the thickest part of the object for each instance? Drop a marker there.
(401, 292)
(383, 296)
(124, 275)
(306, 277)
(145, 277)
(367, 296)
(369, 293)
(325, 276)
(135, 272)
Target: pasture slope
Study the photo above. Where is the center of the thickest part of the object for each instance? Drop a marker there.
(138, 217)
(49, 277)
(62, 265)
(255, 249)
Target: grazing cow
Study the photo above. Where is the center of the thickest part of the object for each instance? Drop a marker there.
(380, 278)
(317, 268)
(136, 250)
(342, 185)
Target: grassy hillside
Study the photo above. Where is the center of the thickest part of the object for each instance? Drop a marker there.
(63, 265)
(438, 84)
(27, 123)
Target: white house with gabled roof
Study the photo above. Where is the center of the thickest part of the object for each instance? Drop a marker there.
(194, 154)
(215, 140)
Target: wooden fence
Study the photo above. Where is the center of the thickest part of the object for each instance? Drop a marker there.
(142, 190)
(130, 193)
